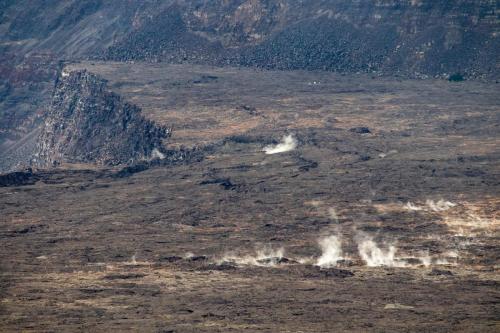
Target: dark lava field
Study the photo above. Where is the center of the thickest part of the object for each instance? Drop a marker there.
(278, 166)
(304, 202)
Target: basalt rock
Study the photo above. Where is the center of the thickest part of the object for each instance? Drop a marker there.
(86, 123)
(19, 178)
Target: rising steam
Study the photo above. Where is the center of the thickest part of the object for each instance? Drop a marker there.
(412, 207)
(374, 256)
(288, 142)
(264, 256)
(435, 206)
(371, 253)
(332, 213)
(331, 251)
(157, 154)
(440, 206)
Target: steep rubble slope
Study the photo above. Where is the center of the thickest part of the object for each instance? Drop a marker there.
(406, 37)
(418, 37)
(87, 123)
(26, 86)
(68, 28)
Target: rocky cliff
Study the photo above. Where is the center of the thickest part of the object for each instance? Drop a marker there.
(404, 37)
(415, 38)
(86, 123)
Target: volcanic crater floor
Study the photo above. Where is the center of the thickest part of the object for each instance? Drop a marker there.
(403, 174)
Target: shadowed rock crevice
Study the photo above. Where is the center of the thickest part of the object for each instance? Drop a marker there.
(87, 123)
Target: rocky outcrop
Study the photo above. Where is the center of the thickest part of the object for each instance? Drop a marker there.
(86, 123)
(19, 178)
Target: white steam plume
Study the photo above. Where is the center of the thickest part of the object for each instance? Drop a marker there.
(436, 206)
(412, 207)
(332, 212)
(157, 154)
(265, 256)
(439, 206)
(374, 256)
(288, 142)
(331, 248)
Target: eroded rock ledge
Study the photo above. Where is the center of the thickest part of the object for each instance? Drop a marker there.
(87, 123)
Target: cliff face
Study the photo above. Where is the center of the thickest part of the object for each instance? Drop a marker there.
(419, 37)
(88, 124)
(408, 37)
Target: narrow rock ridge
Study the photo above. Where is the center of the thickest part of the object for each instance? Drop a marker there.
(87, 123)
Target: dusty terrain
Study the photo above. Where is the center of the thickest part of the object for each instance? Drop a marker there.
(231, 242)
